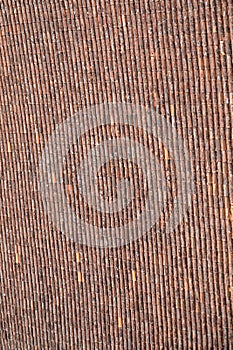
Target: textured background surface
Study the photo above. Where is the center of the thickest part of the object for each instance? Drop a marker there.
(163, 291)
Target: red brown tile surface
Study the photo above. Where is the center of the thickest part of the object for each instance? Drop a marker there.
(162, 291)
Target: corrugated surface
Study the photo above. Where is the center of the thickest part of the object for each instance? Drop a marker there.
(163, 291)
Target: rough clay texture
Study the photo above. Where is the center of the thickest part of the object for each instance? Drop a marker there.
(163, 291)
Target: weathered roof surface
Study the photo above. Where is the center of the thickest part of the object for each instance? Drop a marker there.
(167, 286)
